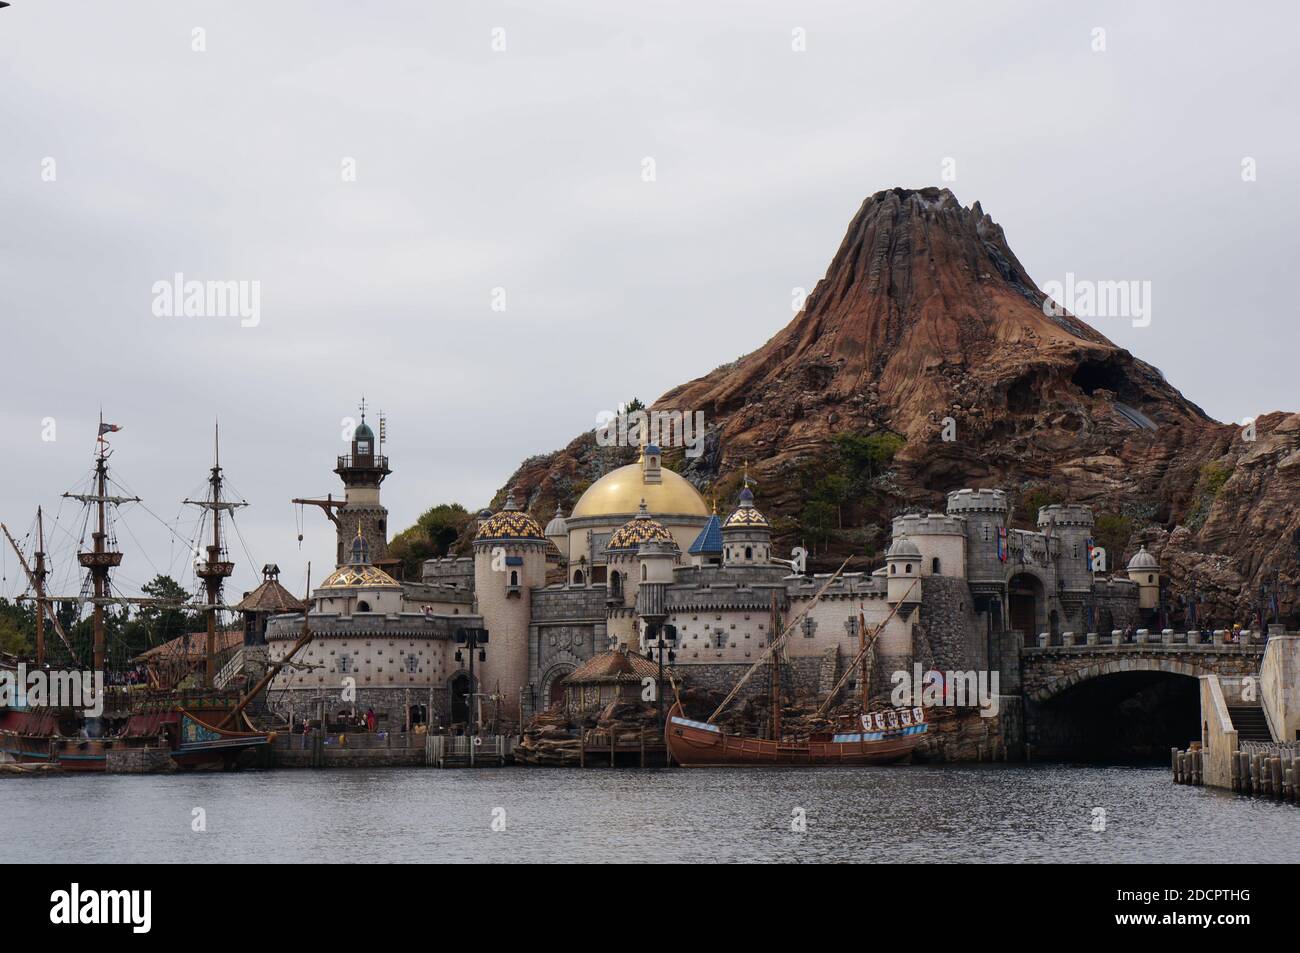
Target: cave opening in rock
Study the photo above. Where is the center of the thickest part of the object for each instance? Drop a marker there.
(1092, 375)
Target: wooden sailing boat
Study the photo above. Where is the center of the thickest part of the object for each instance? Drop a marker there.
(203, 727)
(867, 738)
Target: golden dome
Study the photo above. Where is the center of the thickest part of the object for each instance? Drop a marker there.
(620, 492)
(359, 575)
(640, 530)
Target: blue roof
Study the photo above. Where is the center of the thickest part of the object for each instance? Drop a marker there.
(710, 538)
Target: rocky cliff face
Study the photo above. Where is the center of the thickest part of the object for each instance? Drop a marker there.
(927, 326)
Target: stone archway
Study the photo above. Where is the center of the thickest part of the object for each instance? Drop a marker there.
(1027, 605)
(553, 683)
(459, 688)
(1050, 690)
(1115, 711)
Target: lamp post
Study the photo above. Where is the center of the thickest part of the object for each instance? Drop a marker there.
(659, 630)
(471, 639)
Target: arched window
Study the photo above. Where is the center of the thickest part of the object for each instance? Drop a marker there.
(514, 577)
(643, 575)
(934, 565)
(909, 567)
(578, 578)
(1151, 578)
(894, 568)
(363, 606)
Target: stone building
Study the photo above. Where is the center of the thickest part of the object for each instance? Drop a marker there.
(641, 548)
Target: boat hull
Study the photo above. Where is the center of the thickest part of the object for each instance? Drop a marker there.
(695, 744)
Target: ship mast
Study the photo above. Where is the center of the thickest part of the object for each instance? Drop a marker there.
(214, 571)
(101, 559)
(38, 577)
(43, 601)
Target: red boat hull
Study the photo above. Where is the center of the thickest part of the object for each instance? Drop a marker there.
(695, 744)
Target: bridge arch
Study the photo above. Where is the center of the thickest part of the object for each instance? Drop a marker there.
(1055, 687)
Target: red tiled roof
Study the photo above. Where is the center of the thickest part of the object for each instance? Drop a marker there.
(615, 665)
(197, 647)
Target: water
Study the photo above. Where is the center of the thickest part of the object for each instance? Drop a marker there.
(965, 813)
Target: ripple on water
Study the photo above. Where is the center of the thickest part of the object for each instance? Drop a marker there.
(938, 813)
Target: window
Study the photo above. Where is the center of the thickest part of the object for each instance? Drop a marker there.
(514, 577)
(749, 552)
(908, 568)
(578, 578)
(412, 664)
(643, 573)
(894, 569)
(720, 639)
(934, 565)
(615, 584)
(345, 663)
(363, 606)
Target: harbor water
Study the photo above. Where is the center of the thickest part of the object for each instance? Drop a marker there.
(962, 813)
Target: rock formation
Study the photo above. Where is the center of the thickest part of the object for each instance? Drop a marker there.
(926, 322)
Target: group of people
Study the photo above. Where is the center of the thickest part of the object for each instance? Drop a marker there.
(367, 722)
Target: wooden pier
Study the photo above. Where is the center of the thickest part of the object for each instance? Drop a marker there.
(642, 749)
(1263, 769)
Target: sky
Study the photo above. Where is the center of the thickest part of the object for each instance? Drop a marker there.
(448, 208)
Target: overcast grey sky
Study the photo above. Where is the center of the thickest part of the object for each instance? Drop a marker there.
(522, 169)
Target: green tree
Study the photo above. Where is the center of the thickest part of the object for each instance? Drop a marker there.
(154, 625)
(431, 537)
(12, 639)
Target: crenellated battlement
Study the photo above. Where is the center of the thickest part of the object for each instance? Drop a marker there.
(932, 524)
(1066, 514)
(977, 501)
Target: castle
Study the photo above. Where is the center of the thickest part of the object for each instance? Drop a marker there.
(642, 553)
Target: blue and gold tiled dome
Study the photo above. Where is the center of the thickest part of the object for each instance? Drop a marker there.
(642, 528)
(746, 514)
(511, 523)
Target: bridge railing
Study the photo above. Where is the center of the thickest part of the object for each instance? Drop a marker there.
(1216, 641)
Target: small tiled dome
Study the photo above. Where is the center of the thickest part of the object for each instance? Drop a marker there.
(640, 529)
(746, 514)
(510, 523)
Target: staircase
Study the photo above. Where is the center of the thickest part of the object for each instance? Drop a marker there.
(232, 668)
(1250, 723)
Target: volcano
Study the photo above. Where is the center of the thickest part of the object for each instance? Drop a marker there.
(927, 329)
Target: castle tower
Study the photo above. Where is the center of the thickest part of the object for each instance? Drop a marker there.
(1071, 526)
(1144, 569)
(509, 563)
(362, 471)
(985, 513)
(746, 535)
(903, 562)
(642, 554)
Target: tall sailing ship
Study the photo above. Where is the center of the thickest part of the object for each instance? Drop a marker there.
(862, 737)
(182, 709)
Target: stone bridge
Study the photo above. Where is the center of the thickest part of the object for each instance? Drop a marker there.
(1048, 670)
(1101, 697)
